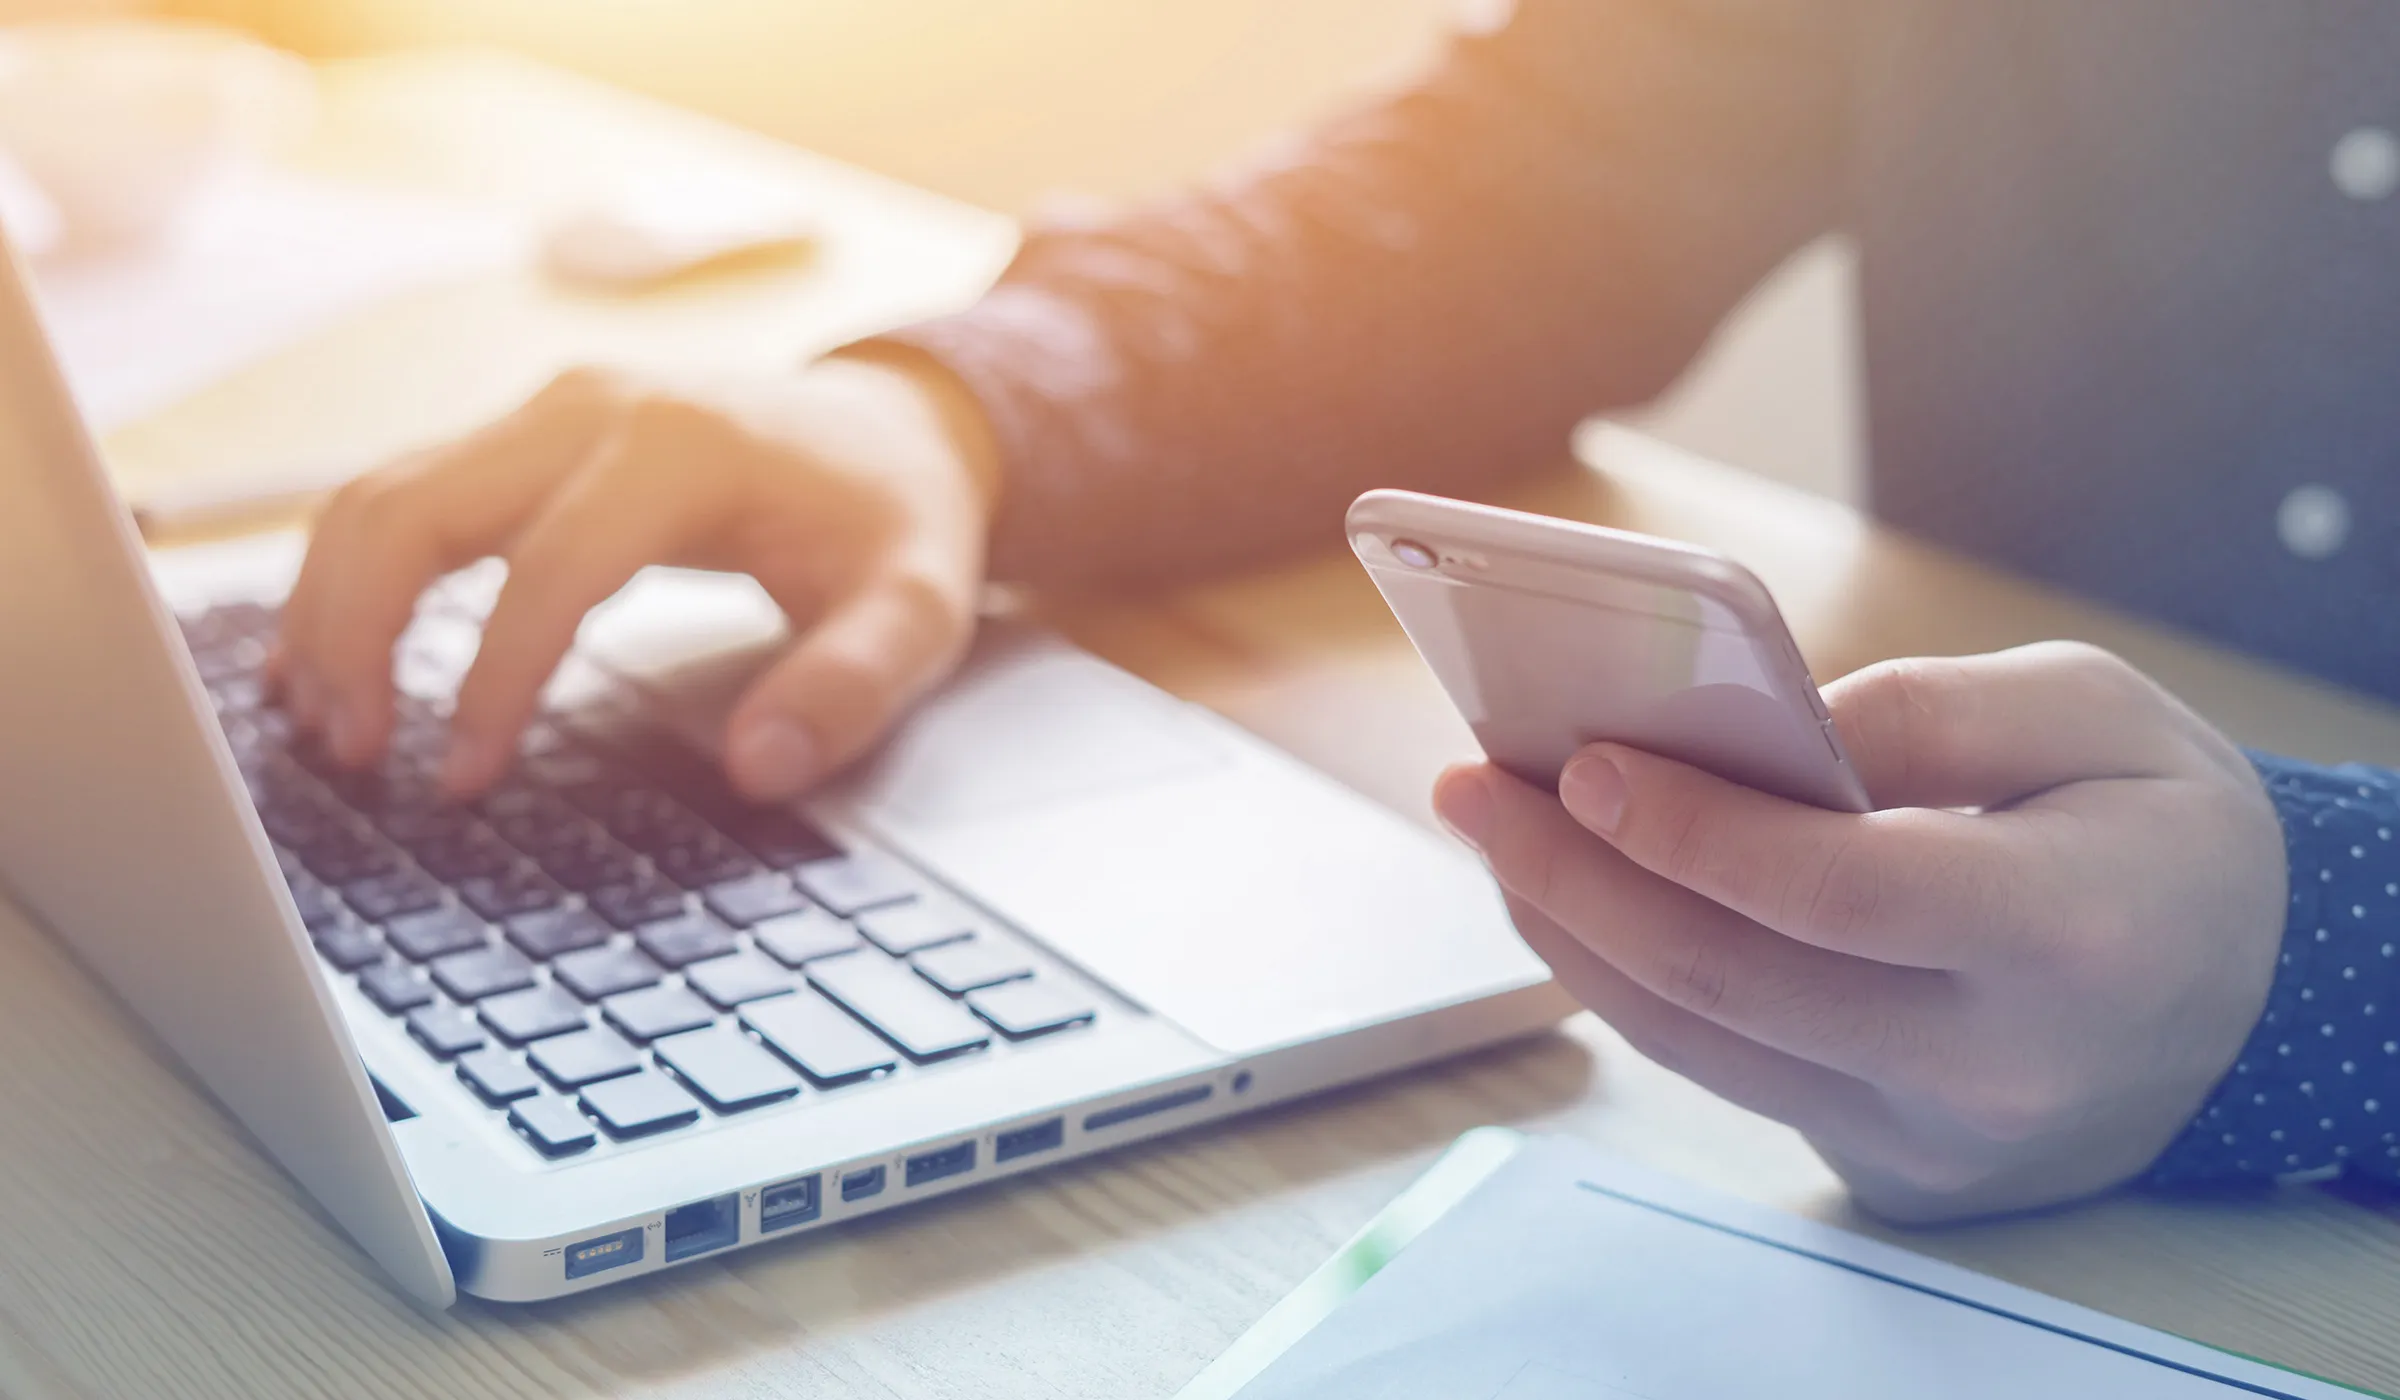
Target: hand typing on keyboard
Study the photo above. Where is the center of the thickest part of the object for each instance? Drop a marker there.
(856, 492)
(609, 939)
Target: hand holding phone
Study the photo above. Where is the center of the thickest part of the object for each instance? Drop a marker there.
(2015, 983)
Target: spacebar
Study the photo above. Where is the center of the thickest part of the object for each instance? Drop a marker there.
(899, 1004)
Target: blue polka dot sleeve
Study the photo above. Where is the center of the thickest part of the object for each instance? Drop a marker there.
(2316, 1091)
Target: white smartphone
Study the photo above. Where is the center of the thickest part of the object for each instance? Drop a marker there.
(1550, 635)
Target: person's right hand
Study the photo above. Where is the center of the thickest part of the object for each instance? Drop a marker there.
(856, 491)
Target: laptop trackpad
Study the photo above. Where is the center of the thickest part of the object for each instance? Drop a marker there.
(1030, 722)
(1252, 902)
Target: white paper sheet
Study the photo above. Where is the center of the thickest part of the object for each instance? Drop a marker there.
(1569, 1274)
(256, 267)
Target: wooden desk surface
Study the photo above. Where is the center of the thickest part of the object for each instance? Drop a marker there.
(152, 1251)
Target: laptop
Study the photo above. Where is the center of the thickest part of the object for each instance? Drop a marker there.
(610, 1018)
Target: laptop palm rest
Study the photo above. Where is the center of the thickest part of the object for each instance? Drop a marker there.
(1249, 899)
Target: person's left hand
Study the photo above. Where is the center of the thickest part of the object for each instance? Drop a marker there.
(1964, 1011)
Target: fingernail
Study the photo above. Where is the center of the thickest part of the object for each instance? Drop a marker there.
(774, 757)
(1594, 790)
(1464, 803)
(467, 764)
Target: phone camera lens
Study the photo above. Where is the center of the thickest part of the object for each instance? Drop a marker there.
(1414, 555)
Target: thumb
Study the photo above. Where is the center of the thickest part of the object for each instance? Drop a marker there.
(845, 682)
(1988, 730)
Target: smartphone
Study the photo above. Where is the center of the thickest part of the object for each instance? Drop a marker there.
(1550, 635)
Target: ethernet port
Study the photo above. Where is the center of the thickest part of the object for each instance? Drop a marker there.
(702, 1226)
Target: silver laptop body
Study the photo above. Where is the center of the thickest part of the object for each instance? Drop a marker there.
(1184, 923)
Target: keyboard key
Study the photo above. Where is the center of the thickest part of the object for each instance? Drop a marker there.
(532, 1014)
(683, 772)
(338, 854)
(572, 1061)
(798, 938)
(382, 897)
(396, 786)
(899, 1005)
(395, 986)
(907, 928)
(656, 1011)
(419, 733)
(210, 629)
(546, 933)
(348, 945)
(600, 871)
(553, 1124)
(430, 819)
(819, 1037)
(540, 739)
(848, 884)
(590, 862)
(640, 1104)
(293, 828)
(433, 819)
(960, 968)
(287, 802)
(707, 860)
(238, 695)
(295, 818)
(434, 933)
(594, 973)
(518, 891)
(638, 902)
(675, 942)
(728, 1068)
(1022, 1010)
(482, 973)
(473, 854)
(317, 905)
(253, 750)
(777, 837)
(533, 822)
(224, 663)
(497, 1075)
(753, 899)
(746, 976)
(445, 1030)
(646, 820)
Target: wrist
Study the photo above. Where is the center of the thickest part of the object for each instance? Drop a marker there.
(950, 410)
(2306, 1096)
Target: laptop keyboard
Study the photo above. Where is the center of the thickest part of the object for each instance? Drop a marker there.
(611, 944)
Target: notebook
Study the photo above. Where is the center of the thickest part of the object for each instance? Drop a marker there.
(1542, 1269)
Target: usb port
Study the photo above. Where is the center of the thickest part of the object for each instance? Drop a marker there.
(606, 1252)
(947, 1161)
(860, 1184)
(788, 1204)
(1032, 1138)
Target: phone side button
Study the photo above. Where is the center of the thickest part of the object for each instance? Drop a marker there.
(1833, 742)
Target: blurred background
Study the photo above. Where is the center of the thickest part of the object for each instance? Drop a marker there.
(1006, 103)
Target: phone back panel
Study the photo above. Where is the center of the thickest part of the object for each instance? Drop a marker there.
(1550, 635)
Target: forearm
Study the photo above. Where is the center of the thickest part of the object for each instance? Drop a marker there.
(1429, 294)
(2316, 1089)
